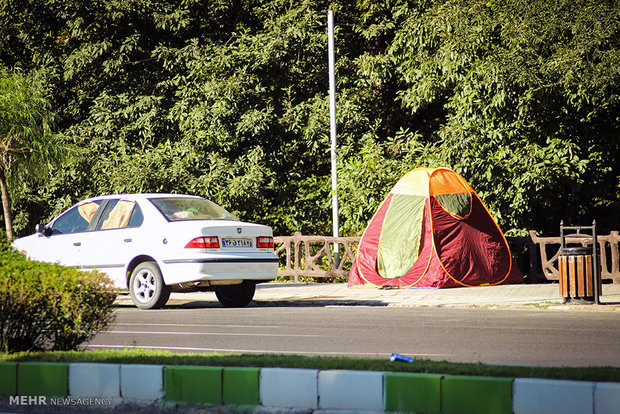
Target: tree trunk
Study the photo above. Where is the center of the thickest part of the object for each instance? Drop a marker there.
(6, 207)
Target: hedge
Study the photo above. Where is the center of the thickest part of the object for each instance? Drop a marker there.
(48, 307)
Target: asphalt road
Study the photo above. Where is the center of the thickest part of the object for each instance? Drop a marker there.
(492, 336)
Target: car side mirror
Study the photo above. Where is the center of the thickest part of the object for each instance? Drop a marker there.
(43, 229)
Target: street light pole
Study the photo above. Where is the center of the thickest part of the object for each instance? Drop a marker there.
(332, 129)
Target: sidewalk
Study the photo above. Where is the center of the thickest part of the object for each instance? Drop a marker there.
(540, 296)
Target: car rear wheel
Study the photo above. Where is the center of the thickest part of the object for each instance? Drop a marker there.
(236, 296)
(147, 287)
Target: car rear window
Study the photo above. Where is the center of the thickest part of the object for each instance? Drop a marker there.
(188, 208)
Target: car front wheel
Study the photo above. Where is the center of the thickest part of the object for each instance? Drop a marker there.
(147, 287)
(236, 296)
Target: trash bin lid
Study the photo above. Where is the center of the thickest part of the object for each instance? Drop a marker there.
(576, 251)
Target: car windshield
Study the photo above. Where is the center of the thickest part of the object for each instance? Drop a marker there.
(189, 208)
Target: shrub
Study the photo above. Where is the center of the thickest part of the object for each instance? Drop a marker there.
(46, 306)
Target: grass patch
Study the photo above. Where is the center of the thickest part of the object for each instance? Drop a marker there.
(144, 356)
(544, 305)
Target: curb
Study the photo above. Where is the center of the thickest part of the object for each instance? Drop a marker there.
(106, 385)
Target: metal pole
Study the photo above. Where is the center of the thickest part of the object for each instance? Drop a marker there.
(597, 275)
(332, 129)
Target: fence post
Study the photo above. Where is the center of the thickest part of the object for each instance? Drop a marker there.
(297, 245)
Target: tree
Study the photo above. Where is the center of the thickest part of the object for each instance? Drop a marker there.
(27, 146)
(522, 100)
(228, 100)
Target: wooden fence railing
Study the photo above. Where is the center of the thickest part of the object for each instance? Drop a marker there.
(608, 247)
(316, 257)
(537, 257)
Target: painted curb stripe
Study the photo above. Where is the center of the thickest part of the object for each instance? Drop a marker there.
(351, 390)
(480, 395)
(95, 380)
(533, 395)
(308, 388)
(42, 379)
(241, 386)
(201, 385)
(409, 392)
(8, 378)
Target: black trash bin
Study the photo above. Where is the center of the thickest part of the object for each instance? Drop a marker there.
(578, 275)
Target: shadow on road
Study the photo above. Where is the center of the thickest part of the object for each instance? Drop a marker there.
(285, 303)
(293, 302)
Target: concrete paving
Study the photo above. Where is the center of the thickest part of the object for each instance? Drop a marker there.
(540, 296)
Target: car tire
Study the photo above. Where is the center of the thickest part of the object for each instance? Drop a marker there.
(236, 296)
(147, 288)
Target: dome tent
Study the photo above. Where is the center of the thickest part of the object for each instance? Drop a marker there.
(432, 230)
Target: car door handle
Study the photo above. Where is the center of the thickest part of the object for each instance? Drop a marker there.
(77, 244)
(127, 240)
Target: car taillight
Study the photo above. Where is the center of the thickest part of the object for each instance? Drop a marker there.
(264, 242)
(203, 243)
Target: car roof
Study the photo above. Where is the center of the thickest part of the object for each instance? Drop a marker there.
(138, 196)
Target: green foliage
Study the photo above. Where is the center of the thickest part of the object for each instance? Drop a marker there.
(229, 100)
(28, 149)
(506, 95)
(49, 307)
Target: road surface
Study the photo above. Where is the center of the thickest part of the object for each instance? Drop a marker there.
(490, 336)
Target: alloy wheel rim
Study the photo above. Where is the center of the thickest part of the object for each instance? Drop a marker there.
(145, 286)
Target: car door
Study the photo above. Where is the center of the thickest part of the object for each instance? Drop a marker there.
(112, 244)
(63, 241)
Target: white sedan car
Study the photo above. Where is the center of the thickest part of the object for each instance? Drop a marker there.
(153, 244)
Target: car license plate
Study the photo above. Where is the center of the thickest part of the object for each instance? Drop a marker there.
(226, 242)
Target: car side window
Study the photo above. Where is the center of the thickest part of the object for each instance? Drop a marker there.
(136, 217)
(120, 214)
(76, 219)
